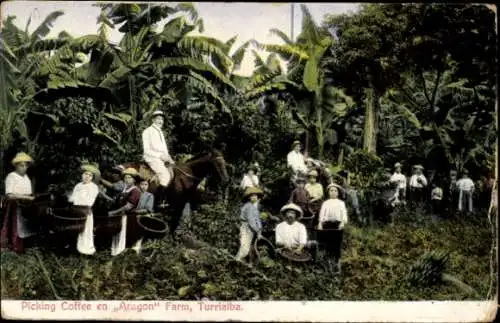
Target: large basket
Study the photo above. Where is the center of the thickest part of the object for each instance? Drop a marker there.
(303, 256)
(152, 228)
(69, 219)
(108, 225)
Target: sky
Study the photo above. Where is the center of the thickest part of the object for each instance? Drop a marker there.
(222, 20)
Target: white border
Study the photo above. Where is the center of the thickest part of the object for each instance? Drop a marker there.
(288, 311)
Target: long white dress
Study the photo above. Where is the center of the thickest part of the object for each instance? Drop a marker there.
(17, 184)
(119, 240)
(85, 194)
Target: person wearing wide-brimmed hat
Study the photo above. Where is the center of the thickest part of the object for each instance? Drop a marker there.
(295, 159)
(465, 187)
(314, 189)
(128, 202)
(251, 225)
(250, 179)
(333, 215)
(83, 198)
(291, 234)
(156, 153)
(18, 186)
(418, 184)
(400, 178)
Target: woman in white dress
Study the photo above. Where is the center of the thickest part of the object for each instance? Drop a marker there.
(83, 198)
(17, 187)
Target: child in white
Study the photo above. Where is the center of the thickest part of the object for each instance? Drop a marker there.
(85, 194)
(333, 209)
(465, 187)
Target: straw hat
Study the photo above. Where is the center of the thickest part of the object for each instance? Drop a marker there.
(131, 171)
(292, 206)
(398, 164)
(418, 167)
(251, 191)
(157, 113)
(22, 158)
(295, 143)
(337, 186)
(313, 173)
(91, 168)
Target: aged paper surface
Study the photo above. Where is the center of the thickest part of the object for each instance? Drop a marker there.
(252, 98)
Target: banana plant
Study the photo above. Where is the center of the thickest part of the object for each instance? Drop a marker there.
(443, 110)
(317, 104)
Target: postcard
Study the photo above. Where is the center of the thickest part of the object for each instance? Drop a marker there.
(215, 161)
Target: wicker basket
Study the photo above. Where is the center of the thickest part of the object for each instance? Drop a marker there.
(152, 228)
(69, 219)
(304, 256)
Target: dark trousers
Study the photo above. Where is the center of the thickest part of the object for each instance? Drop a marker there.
(331, 240)
(417, 194)
(401, 194)
(437, 207)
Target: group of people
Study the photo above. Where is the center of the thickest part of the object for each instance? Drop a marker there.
(310, 214)
(123, 196)
(127, 198)
(456, 196)
(309, 221)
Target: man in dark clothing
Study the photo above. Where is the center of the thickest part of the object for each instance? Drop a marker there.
(300, 196)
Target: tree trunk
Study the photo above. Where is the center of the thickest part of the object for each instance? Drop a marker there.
(370, 128)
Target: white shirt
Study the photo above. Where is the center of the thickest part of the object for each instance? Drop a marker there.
(84, 194)
(414, 183)
(17, 184)
(249, 181)
(153, 143)
(465, 184)
(437, 194)
(400, 179)
(333, 210)
(296, 161)
(291, 235)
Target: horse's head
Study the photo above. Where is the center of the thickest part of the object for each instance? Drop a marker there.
(220, 165)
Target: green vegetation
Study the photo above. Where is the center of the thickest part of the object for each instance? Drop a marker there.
(413, 83)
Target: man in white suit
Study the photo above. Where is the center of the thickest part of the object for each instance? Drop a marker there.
(155, 151)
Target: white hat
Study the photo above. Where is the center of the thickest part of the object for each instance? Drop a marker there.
(292, 206)
(157, 113)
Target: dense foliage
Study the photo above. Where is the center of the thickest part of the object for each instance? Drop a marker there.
(413, 83)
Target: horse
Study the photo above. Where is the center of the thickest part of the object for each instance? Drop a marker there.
(186, 178)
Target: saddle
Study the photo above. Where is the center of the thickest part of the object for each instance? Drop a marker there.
(148, 174)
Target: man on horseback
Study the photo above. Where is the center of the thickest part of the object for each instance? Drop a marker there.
(155, 151)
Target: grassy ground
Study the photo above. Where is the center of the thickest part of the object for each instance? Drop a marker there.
(375, 264)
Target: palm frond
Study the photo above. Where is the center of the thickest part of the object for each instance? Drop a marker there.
(239, 54)
(281, 35)
(165, 63)
(45, 27)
